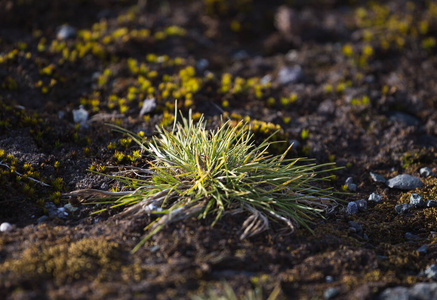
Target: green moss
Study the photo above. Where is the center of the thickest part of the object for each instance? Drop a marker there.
(89, 258)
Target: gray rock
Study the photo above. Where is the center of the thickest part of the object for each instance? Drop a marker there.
(431, 272)
(362, 204)
(378, 178)
(412, 237)
(431, 203)
(422, 250)
(66, 32)
(420, 291)
(351, 187)
(149, 105)
(80, 116)
(416, 200)
(426, 172)
(352, 208)
(331, 293)
(402, 208)
(404, 182)
(375, 197)
(287, 75)
(329, 279)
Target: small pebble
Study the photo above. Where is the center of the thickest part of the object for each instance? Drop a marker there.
(352, 208)
(426, 172)
(416, 200)
(351, 187)
(330, 293)
(66, 32)
(149, 105)
(287, 75)
(362, 204)
(402, 208)
(431, 203)
(422, 250)
(377, 178)
(349, 180)
(412, 237)
(375, 197)
(431, 272)
(404, 182)
(5, 227)
(80, 116)
(329, 279)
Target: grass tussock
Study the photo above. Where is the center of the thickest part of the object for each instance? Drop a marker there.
(206, 173)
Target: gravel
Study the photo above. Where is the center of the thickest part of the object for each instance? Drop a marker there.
(420, 291)
(404, 182)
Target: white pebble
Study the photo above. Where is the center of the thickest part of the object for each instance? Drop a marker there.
(5, 227)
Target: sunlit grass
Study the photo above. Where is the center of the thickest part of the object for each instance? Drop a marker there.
(196, 172)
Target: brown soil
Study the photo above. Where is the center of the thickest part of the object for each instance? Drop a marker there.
(366, 95)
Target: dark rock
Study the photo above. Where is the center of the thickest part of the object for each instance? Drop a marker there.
(404, 182)
(412, 237)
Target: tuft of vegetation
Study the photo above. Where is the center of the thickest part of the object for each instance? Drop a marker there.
(199, 172)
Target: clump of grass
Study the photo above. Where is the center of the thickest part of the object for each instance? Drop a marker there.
(206, 173)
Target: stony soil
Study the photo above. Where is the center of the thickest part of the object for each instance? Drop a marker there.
(361, 91)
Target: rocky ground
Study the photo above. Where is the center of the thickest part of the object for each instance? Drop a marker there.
(350, 82)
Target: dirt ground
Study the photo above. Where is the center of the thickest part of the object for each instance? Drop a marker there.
(350, 82)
